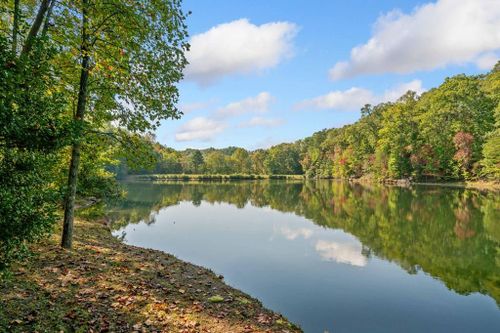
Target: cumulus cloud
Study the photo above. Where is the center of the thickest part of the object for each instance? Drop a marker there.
(238, 47)
(259, 103)
(432, 36)
(200, 129)
(351, 99)
(345, 252)
(262, 122)
(354, 98)
(206, 128)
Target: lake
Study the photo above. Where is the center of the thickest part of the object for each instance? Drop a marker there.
(333, 256)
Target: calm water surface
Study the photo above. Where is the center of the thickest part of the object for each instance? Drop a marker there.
(333, 256)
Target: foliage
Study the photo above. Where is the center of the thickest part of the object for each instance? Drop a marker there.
(196, 160)
(283, 159)
(33, 127)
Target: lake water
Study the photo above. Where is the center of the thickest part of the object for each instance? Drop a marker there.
(334, 256)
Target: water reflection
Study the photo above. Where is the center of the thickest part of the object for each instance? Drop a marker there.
(452, 234)
(293, 233)
(348, 253)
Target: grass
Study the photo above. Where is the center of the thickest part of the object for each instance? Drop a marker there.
(103, 285)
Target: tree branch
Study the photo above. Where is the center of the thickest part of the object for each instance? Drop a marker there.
(47, 18)
(35, 27)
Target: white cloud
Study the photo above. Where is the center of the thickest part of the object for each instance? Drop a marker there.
(238, 47)
(291, 233)
(432, 36)
(354, 98)
(200, 128)
(261, 121)
(351, 99)
(395, 92)
(346, 253)
(259, 103)
(487, 61)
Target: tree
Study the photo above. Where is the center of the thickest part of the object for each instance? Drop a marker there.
(169, 161)
(283, 159)
(197, 161)
(397, 136)
(463, 143)
(217, 163)
(241, 161)
(457, 105)
(258, 158)
(491, 151)
(130, 59)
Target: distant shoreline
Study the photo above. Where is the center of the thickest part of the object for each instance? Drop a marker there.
(479, 185)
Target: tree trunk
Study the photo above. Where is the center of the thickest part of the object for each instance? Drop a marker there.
(15, 27)
(35, 27)
(69, 204)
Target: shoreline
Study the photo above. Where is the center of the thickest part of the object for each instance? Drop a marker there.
(106, 285)
(209, 177)
(478, 185)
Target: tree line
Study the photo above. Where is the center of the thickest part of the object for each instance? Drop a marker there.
(451, 132)
(282, 159)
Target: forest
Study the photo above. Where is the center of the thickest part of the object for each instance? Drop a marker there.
(451, 132)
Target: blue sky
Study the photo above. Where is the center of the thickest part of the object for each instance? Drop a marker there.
(264, 72)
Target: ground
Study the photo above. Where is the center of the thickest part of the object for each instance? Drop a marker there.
(103, 285)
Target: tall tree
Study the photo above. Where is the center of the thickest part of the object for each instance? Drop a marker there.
(197, 161)
(69, 203)
(130, 58)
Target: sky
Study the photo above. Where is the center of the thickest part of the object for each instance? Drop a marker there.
(263, 72)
